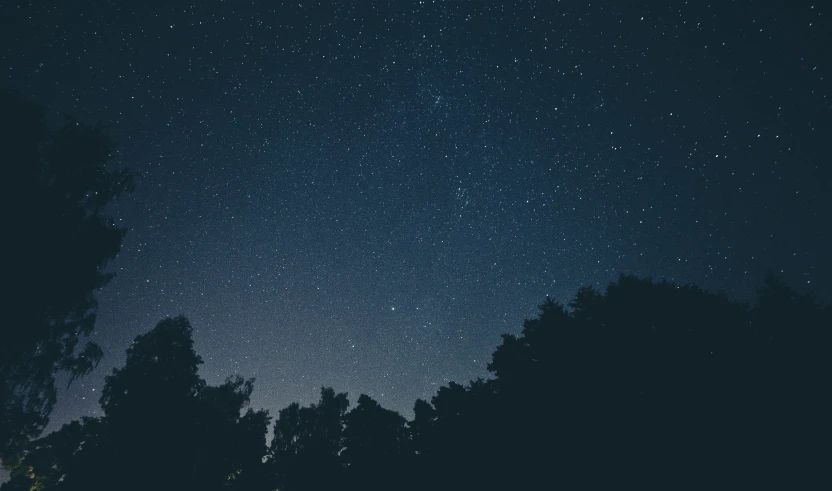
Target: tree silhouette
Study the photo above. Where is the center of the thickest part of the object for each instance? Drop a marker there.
(47, 461)
(375, 440)
(306, 444)
(163, 428)
(56, 186)
(650, 384)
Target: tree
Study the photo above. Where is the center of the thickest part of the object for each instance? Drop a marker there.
(163, 428)
(306, 444)
(648, 384)
(46, 461)
(375, 440)
(56, 187)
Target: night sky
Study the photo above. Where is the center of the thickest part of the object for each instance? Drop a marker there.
(366, 195)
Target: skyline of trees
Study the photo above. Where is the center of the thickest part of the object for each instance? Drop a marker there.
(648, 383)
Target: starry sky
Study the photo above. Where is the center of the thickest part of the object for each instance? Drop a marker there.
(365, 195)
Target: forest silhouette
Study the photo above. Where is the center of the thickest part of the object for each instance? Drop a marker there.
(645, 383)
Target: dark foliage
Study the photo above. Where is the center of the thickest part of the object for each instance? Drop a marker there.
(163, 428)
(374, 446)
(647, 385)
(306, 444)
(58, 240)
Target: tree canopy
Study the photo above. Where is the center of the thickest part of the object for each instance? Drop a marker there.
(163, 428)
(56, 187)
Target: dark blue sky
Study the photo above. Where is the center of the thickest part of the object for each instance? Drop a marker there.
(365, 196)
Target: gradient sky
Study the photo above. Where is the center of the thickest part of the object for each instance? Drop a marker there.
(366, 195)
